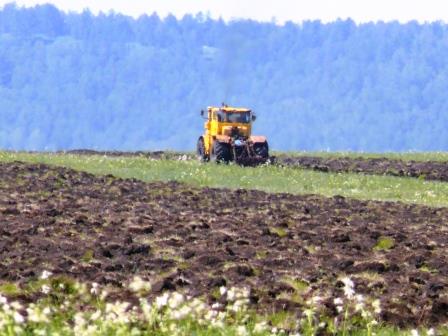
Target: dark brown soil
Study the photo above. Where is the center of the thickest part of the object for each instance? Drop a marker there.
(106, 229)
(428, 170)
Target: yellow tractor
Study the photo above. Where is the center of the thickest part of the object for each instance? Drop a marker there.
(228, 137)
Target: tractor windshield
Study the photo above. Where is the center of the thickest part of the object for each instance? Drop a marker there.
(237, 117)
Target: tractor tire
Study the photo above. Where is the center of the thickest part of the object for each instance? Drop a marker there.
(220, 152)
(262, 149)
(200, 150)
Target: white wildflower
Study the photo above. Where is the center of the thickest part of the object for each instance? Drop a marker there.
(210, 315)
(18, 318)
(45, 289)
(45, 275)
(430, 332)
(135, 332)
(139, 285)
(198, 306)
(16, 305)
(181, 313)
(96, 315)
(338, 301)
(241, 331)
(348, 292)
(376, 304)
(36, 315)
(315, 300)
(217, 324)
(91, 330)
(260, 327)
(3, 300)
(243, 293)
(104, 294)
(216, 305)
(414, 332)
(162, 301)
(309, 313)
(348, 282)
(231, 294)
(348, 287)
(95, 289)
(80, 322)
(175, 300)
(222, 290)
(17, 330)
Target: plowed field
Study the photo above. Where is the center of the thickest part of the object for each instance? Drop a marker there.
(106, 229)
(429, 170)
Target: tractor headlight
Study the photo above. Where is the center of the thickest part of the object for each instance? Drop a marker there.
(238, 142)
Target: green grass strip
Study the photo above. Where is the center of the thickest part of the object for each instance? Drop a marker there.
(267, 178)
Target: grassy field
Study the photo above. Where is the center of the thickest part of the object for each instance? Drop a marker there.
(267, 178)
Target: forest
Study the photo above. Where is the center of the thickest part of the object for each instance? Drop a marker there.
(109, 81)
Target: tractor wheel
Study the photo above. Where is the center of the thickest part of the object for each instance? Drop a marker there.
(200, 150)
(262, 149)
(220, 152)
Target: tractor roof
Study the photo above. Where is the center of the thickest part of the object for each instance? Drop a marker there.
(229, 109)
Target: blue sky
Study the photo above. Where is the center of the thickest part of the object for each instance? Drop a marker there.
(265, 10)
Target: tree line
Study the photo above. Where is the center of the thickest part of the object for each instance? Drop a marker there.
(76, 80)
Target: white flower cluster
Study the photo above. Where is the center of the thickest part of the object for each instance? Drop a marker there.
(138, 285)
(86, 312)
(237, 298)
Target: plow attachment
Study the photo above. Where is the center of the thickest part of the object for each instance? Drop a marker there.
(249, 154)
